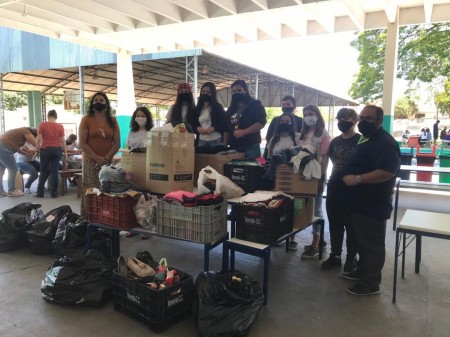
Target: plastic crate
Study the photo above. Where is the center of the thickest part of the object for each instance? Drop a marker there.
(113, 211)
(248, 177)
(264, 225)
(204, 224)
(159, 309)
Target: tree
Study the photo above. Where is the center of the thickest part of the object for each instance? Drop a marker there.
(14, 100)
(422, 56)
(54, 99)
(405, 107)
(442, 99)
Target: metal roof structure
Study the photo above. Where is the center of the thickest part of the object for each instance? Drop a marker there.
(148, 26)
(155, 80)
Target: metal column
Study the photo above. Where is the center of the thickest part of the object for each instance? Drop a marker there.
(253, 86)
(192, 73)
(331, 118)
(2, 110)
(81, 80)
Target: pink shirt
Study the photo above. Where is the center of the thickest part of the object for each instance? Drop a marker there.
(51, 134)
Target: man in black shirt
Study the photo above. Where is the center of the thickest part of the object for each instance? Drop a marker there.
(436, 130)
(370, 172)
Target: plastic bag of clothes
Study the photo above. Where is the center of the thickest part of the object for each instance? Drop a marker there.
(226, 303)
(20, 217)
(70, 237)
(42, 232)
(14, 221)
(82, 280)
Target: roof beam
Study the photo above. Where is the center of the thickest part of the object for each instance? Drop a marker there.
(136, 12)
(194, 6)
(428, 10)
(323, 16)
(228, 5)
(263, 4)
(355, 12)
(163, 8)
(391, 8)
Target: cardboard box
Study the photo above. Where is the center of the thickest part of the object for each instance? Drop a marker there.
(216, 161)
(170, 162)
(294, 183)
(135, 167)
(303, 212)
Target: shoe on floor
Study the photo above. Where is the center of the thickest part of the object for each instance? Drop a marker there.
(122, 266)
(310, 253)
(354, 275)
(3, 194)
(350, 264)
(16, 193)
(360, 289)
(308, 247)
(27, 191)
(332, 262)
(292, 245)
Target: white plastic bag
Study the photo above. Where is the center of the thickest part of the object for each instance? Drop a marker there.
(145, 211)
(224, 186)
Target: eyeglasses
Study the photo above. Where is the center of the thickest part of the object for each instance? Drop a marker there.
(368, 118)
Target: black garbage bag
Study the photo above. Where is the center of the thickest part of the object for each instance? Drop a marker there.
(20, 217)
(12, 241)
(85, 280)
(226, 303)
(70, 236)
(101, 241)
(42, 232)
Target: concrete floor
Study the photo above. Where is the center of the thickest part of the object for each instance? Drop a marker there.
(303, 299)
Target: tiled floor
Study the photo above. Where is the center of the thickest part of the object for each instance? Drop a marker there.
(303, 299)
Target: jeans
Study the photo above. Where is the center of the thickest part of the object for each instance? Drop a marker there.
(49, 156)
(7, 161)
(32, 168)
(209, 144)
(250, 151)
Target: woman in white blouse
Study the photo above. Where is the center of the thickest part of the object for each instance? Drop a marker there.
(141, 123)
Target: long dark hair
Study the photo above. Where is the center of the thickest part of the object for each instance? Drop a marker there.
(213, 101)
(277, 135)
(234, 105)
(320, 125)
(91, 112)
(134, 126)
(176, 110)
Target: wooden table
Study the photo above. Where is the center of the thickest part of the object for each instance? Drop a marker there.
(417, 224)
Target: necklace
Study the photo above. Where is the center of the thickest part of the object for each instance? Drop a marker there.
(102, 132)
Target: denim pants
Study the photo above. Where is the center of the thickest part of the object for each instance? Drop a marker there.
(7, 161)
(251, 151)
(32, 168)
(49, 156)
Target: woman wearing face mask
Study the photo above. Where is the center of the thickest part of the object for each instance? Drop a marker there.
(141, 123)
(99, 139)
(338, 210)
(245, 118)
(314, 133)
(183, 109)
(209, 118)
(282, 144)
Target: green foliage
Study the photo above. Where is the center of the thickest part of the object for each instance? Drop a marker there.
(54, 99)
(14, 100)
(422, 56)
(442, 99)
(405, 107)
(271, 113)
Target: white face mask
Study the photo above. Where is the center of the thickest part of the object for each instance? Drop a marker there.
(310, 120)
(141, 120)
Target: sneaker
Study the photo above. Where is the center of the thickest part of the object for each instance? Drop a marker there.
(350, 264)
(3, 194)
(27, 191)
(354, 275)
(360, 289)
(308, 247)
(310, 254)
(332, 262)
(16, 193)
(293, 246)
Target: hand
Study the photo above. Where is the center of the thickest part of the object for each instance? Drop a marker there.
(350, 180)
(239, 133)
(201, 130)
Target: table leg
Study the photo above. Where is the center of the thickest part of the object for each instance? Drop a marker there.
(266, 275)
(397, 186)
(232, 256)
(403, 255)
(397, 245)
(418, 253)
(89, 237)
(321, 240)
(206, 249)
(225, 256)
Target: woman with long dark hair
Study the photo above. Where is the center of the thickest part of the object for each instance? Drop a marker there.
(245, 118)
(209, 117)
(183, 109)
(99, 138)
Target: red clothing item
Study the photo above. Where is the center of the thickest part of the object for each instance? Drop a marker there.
(51, 134)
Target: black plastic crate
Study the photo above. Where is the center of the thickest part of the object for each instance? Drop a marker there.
(264, 225)
(159, 309)
(248, 177)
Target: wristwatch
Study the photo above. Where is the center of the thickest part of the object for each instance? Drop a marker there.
(358, 179)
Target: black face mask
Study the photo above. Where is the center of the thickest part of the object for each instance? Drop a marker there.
(344, 126)
(366, 128)
(284, 127)
(99, 106)
(287, 109)
(239, 97)
(185, 97)
(206, 98)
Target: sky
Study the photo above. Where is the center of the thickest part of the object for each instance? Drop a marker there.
(324, 62)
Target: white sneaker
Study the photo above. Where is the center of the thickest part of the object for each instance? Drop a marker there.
(16, 193)
(27, 191)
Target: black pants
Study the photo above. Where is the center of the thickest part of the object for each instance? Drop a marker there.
(370, 237)
(339, 222)
(50, 156)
